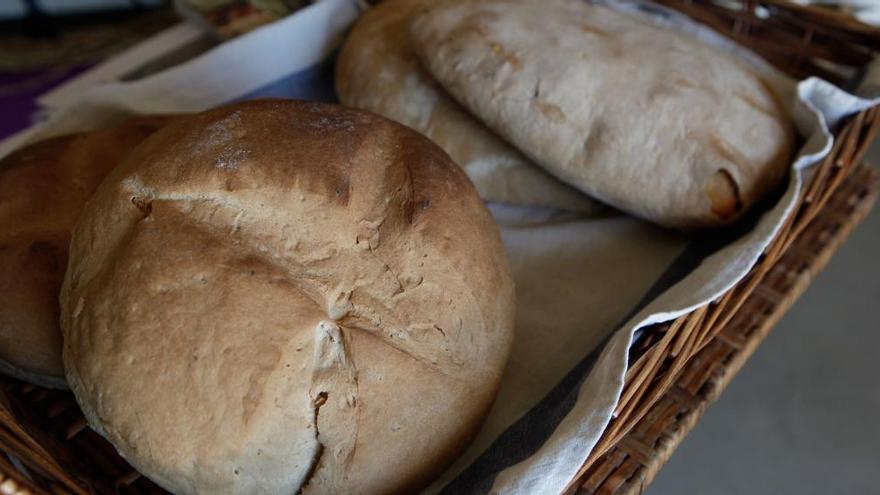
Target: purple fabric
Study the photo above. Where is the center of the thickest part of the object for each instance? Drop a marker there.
(19, 92)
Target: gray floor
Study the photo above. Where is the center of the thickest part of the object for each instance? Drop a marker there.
(802, 416)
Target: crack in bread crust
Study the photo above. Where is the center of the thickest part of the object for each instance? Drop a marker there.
(335, 283)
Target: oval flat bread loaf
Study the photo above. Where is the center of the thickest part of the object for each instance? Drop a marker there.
(42, 189)
(378, 71)
(650, 120)
(286, 297)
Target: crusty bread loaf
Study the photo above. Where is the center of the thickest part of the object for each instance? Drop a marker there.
(645, 118)
(286, 297)
(42, 189)
(378, 71)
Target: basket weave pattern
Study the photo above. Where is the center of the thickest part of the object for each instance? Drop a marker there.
(633, 461)
(634, 447)
(801, 41)
(677, 369)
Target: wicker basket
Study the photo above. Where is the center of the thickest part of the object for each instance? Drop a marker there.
(677, 369)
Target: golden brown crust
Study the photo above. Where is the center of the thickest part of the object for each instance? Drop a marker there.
(278, 296)
(42, 189)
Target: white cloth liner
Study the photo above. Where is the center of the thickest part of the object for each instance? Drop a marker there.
(577, 279)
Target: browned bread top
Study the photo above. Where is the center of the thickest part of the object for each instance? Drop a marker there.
(278, 296)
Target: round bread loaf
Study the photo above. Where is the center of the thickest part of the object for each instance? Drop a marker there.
(286, 297)
(42, 189)
(653, 121)
(378, 71)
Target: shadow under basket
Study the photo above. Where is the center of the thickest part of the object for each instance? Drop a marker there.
(677, 369)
